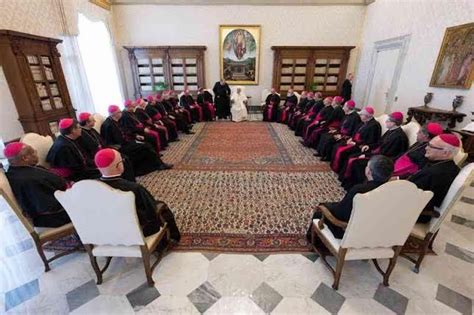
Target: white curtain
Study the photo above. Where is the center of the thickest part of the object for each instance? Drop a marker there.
(76, 77)
(100, 63)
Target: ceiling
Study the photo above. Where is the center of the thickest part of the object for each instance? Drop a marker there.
(243, 2)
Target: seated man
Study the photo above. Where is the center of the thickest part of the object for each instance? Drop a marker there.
(393, 144)
(204, 99)
(288, 107)
(142, 155)
(187, 101)
(238, 108)
(297, 110)
(414, 159)
(151, 213)
(314, 107)
(271, 107)
(66, 156)
(440, 171)
(378, 171)
(34, 186)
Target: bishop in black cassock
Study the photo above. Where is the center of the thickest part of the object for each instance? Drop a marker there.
(272, 106)
(34, 186)
(222, 97)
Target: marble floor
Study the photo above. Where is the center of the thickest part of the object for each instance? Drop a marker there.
(219, 283)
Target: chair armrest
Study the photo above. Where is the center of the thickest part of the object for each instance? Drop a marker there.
(327, 214)
(431, 213)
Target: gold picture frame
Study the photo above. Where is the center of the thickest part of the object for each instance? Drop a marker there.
(105, 4)
(239, 53)
(455, 64)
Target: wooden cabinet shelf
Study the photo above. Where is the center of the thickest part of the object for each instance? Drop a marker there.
(36, 80)
(310, 67)
(179, 67)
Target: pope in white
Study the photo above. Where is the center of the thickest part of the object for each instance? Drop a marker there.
(238, 101)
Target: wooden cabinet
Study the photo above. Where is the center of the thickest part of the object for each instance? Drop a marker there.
(316, 68)
(178, 67)
(36, 80)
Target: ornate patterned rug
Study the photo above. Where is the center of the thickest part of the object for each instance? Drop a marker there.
(243, 187)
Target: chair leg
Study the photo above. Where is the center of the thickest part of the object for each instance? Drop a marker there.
(146, 264)
(340, 263)
(424, 250)
(94, 264)
(39, 248)
(391, 265)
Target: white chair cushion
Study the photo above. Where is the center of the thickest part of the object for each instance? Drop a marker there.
(355, 253)
(420, 230)
(124, 251)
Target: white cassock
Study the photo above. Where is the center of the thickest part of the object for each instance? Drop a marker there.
(238, 109)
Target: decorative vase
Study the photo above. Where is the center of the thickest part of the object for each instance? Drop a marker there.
(457, 102)
(428, 98)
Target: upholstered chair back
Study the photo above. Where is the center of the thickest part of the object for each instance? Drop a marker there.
(102, 215)
(382, 119)
(411, 129)
(40, 143)
(99, 120)
(298, 96)
(464, 178)
(384, 217)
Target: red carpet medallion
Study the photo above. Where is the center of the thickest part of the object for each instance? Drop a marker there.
(243, 187)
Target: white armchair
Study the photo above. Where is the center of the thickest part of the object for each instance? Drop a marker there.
(109, 225)
(427, 232)
(382, 119)
(377, 228)
(40, 143)
(99, 120)
(411, 130)
(40, 236)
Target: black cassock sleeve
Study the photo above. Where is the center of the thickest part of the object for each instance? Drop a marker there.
(396, 146)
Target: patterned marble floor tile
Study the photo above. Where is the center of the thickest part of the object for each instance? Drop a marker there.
(261, 257)
(20, 247)
(428, 307)
(235, 275)
(359, 279)
(105, 304)
(391, 299)
(462, 221)
(180, 273)
(142, 296)
(204, 297)
(460, 253)
(311, 256)
(82, 295)
(363, 306)
(298, 305)
(20, 269)
(50, 304)
(210, 256)
(234, 305)
(266, 297)
(21, 294)
(328, 298)
(168, 305)
(122, 283)
(291, 275)
(454, 299)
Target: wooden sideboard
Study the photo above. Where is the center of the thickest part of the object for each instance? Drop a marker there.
(425, 113)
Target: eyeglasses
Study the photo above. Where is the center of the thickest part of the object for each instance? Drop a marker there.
(434, 147)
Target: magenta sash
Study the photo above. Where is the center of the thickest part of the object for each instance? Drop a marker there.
(284, 114)
(335, 124)
(199, 111)
(157, 117)
(140, 126)
(404, 166)
(155, 135)
(211, 109)
(270, 111)
(337, 158)
(61, 171)
(350, 164)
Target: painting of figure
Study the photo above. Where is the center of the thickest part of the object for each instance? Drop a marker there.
(454, 67)
(239, 47)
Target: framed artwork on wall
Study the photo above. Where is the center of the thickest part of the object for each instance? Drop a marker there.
(455, 64)
(239, 53)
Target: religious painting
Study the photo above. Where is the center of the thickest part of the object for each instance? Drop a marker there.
(240, 49)
(454, 67)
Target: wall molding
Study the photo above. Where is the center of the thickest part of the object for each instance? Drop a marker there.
(242, 2)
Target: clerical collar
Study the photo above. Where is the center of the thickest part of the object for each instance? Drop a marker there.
(112, 177)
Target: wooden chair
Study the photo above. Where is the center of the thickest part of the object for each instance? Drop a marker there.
(40, 236)
(411, 130)
(382, 119)
(426, 233)
(108, 225)
(40, 143)
(377, 228)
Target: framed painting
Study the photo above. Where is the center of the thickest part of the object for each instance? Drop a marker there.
(239, 53)
(454, 66)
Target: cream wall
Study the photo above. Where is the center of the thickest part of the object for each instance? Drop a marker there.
(152, 25)
(426, 21)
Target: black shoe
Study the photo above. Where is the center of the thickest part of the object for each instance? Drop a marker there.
(165, 166)
(317, 154)
(190, 132)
